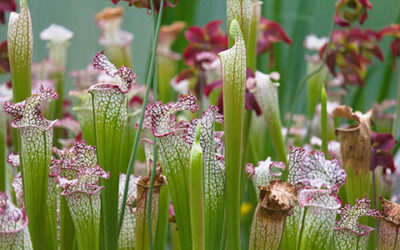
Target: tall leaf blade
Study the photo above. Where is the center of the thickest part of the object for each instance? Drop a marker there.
(233, 63)
(36, 137)
(174, 154)
(20, 49)
(196, 179)
(160, 240)
(110, 112)
(214, 177)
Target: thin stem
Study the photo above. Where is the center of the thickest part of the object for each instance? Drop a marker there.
(303, 82)
(3, 151)
(375, 203)
(396, 118)
(146, 97)
(153, 169)
(374, 188)
(324, 123)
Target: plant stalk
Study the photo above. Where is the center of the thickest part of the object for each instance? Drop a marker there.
(140, 125)
(397, 116)
(3, 150)
(324, 123)
(233, 63)
(153, 169)
(196, 187)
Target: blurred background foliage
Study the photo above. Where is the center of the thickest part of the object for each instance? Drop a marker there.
(298, 18)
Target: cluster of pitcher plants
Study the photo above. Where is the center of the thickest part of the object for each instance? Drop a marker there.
(199, 154)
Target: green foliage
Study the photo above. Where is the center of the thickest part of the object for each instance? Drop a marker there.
(233, 63)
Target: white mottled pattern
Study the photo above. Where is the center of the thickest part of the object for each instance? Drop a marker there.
(320, 207)
(214, 174)
(241, 11)
(349, 233)
(127, 236)
(13, 226)
(20, 39)
(313, 170)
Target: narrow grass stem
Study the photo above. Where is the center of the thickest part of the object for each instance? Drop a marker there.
(153, 173)
(396, 118)
(376, 231)
(3, 151)
(324, 123)
(153, 169)
(374, 189)
(140, 125)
